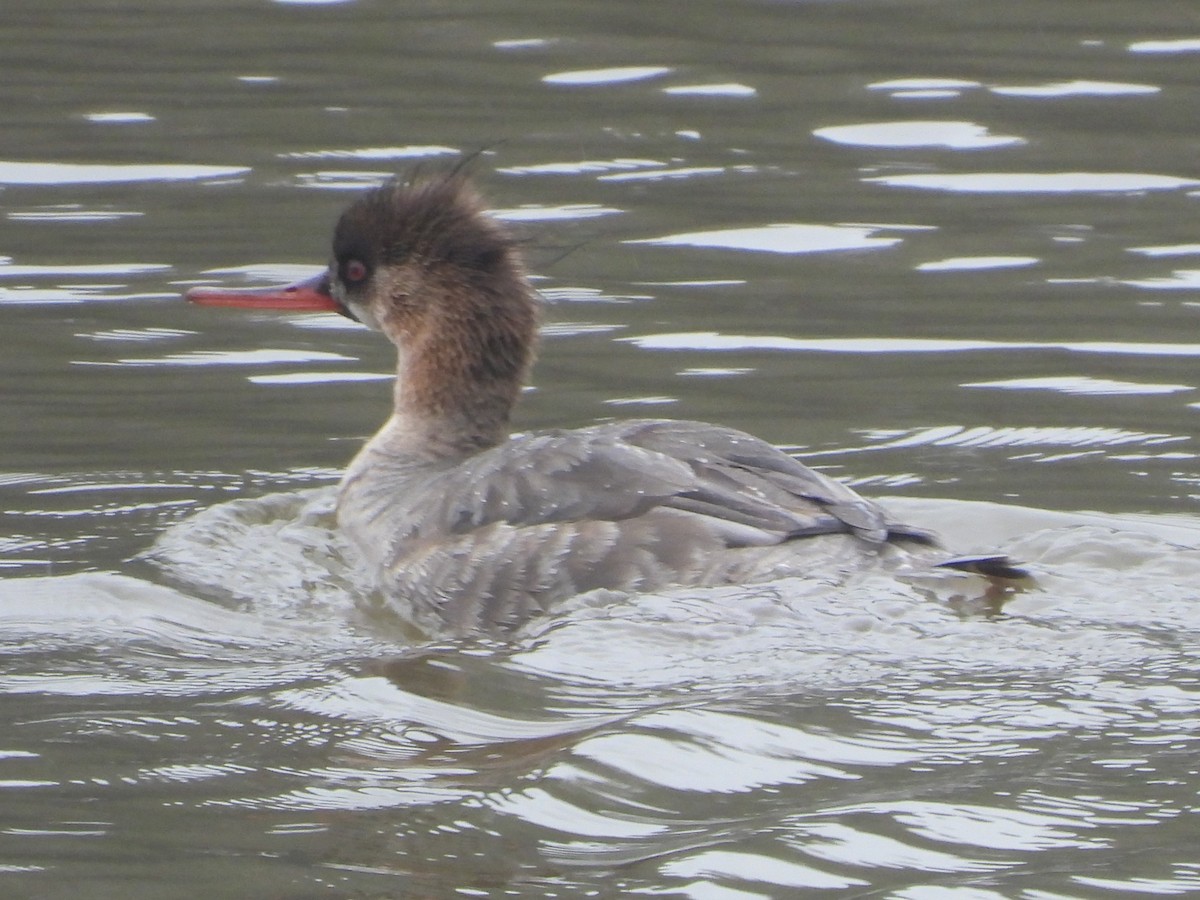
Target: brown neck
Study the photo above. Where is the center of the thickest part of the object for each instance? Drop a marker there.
(462, 366)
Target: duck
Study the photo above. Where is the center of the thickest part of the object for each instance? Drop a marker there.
(472, 529)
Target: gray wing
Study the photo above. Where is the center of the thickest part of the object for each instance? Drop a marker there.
(489, 542)
(739, 475)
(725, 482)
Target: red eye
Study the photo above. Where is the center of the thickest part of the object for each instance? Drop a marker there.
(354, 271)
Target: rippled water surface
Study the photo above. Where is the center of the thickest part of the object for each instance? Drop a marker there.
(946, 250)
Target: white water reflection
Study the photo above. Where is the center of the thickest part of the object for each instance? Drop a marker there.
(641, 401)
(119, 118)
(767, 871)
(273, 273)
(1015, 436)
(339, 180)
(728, 89)
(1167, 46)
(987, 827)
(8, 270)
(521, 43)
(924, 88)
(140, 335)
(1080, 384)
(780, 238)
(573, 294)
(911, 134)
(843, 844)
(583, 167)
(1037, 182)
(319, 377)
(12, 172)
(416, 151)
(674, 174)
(714, 371)
(566, 212)
(576, 329)
(615, 75)
(261, 356)
(28, 296)
(539, 807)
(70, 212)
(1187, 881)
(973, 263)
(1180, 279)
(1076, 89)
(711, 340)
(1168, 250)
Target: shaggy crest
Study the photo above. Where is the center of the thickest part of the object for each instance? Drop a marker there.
(427, 220)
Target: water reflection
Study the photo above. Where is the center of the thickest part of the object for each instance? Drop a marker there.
(950, 135)
(924, 88)
(593, 744)
(975, 263)
(1076, 89)
(780, 238)
(214, 703)
(601, 77)
(69, 212)
(723, 342)
(1177, 45)
(1037, 182)
(31, 173)
(1081, 384)
(262, 356)
(728, 89)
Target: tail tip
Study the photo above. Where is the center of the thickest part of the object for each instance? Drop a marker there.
(991, 566)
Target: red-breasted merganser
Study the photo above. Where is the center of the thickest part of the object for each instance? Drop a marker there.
(472, 529)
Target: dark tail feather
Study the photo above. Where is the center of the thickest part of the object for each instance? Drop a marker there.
(997, 566)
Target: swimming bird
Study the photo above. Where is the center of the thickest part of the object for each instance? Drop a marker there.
(473, 529)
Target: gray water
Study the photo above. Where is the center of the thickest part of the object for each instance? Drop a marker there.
(943, 249)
